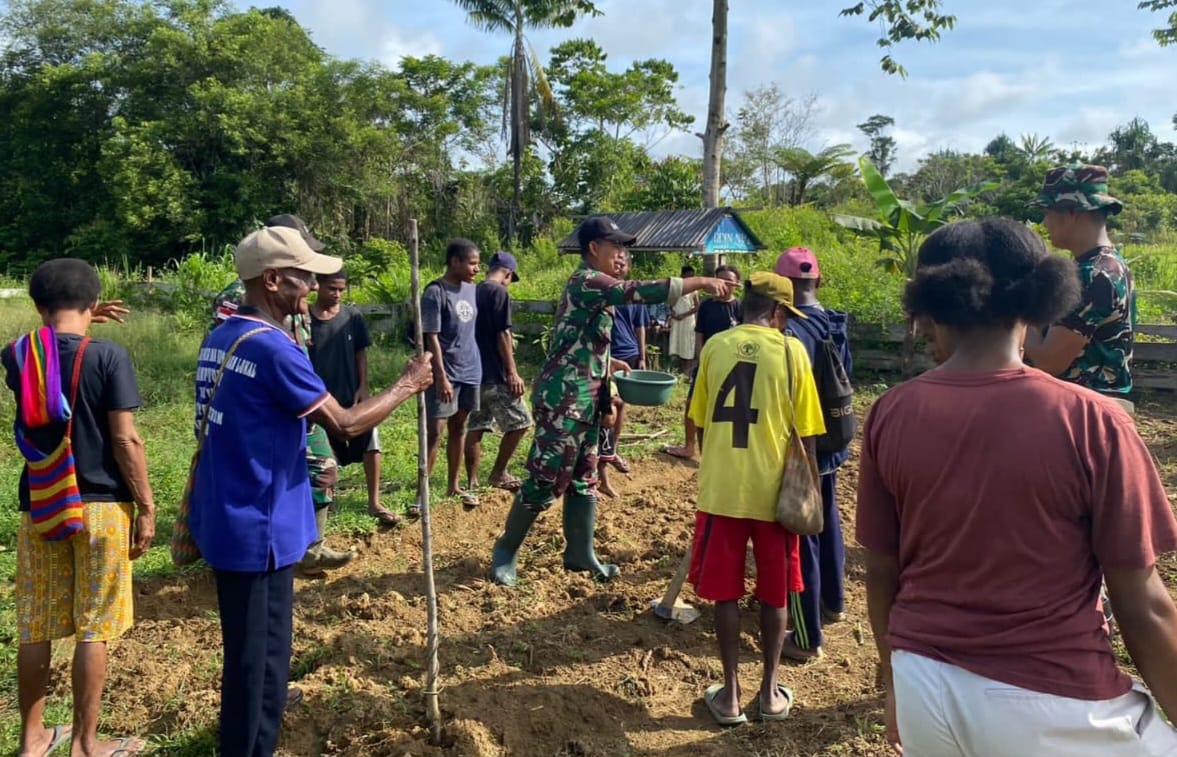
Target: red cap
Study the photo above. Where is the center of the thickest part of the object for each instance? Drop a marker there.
(798, 263)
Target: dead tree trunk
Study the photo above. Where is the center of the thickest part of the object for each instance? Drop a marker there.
(717, 124)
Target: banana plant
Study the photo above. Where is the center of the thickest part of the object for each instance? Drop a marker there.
(901, 226)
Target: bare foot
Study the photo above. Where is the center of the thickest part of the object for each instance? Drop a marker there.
(620, 464)
(683, 453)
(607, 490)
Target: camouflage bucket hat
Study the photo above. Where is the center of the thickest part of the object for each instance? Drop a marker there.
(1077, 187)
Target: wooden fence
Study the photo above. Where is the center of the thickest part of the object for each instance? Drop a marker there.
(876, 348)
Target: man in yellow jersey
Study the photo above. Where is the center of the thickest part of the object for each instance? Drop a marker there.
(748, 395)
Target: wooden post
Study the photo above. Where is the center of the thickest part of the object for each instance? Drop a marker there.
(150, 275)
(432, 667)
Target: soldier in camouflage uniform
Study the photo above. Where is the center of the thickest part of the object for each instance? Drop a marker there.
(321, 465)
(569, 395)
(1092, 346)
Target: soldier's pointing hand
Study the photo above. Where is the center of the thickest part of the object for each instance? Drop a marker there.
(718, 287)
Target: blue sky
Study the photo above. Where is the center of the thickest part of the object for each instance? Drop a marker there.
(1067, 69)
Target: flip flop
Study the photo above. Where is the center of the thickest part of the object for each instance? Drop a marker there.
(508, 484)
(469, 500)
(724, 720)
(124, 749)
(61, 735)
(385, 517)
(770, 717)
(620, 464)
(413, 511)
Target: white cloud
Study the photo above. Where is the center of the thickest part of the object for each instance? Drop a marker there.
(1035, 71)
(1091, 125)
(398, 44)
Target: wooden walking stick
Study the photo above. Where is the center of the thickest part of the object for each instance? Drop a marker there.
(432, 667)
(669, 607)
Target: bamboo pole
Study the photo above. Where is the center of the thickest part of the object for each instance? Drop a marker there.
(432, 667)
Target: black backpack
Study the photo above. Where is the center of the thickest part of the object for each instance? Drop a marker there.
(834, 391)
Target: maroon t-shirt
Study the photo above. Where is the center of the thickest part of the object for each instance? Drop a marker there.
(1005, 494)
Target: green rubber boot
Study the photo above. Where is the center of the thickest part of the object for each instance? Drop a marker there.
(320, 558)
(580, 521)
(506, 548)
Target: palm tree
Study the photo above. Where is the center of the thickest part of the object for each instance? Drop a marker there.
(805, 166)
(1035, 149)
(524, 74)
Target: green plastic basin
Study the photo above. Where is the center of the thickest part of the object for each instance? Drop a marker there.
(645, 387)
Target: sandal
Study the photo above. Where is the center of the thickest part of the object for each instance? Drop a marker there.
(769, 717)
(128, 745)
(385, 517)
(620, 464)
(507, 483)
(721, 719)
(61, 735)
(469, 500)
(413, 511)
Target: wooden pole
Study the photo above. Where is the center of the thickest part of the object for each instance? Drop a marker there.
(432, 667)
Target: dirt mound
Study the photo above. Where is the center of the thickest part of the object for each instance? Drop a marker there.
(558, 665)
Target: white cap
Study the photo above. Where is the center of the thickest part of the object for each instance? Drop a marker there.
(280, 247)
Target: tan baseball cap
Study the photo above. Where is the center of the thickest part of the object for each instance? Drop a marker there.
(280, 247)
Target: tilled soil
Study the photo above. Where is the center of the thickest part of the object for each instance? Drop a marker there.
(558, 666)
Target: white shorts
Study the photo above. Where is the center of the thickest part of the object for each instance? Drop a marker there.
(946, 711)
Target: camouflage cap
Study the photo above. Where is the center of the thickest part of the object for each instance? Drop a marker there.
(1077, 187)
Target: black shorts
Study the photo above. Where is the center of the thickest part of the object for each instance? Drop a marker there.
(348, 451)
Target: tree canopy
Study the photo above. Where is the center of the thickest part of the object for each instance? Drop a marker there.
(142, 131)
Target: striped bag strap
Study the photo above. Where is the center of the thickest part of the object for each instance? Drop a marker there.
(217, 382)
(74, 382)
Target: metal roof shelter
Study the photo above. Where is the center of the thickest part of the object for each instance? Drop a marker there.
(717, 231)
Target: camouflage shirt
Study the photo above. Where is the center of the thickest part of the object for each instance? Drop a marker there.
(569, 382)
(1105, 317)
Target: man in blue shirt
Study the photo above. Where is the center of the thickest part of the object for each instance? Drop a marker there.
(501, 403)
(251, 509)
(449, 315)
(627, 343)
(823, 556)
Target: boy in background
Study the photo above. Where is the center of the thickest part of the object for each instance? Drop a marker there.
(339, 353)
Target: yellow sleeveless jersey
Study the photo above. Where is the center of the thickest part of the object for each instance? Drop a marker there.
(742, 403)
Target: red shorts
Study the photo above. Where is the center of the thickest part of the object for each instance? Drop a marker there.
(719, 554)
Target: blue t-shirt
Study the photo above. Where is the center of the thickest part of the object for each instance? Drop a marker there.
(626, 321)
(820, 324)
(451, 312)
(251, 495)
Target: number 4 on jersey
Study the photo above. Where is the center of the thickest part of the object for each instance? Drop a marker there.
(740, 413)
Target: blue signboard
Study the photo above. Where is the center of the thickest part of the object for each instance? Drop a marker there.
(728, 237)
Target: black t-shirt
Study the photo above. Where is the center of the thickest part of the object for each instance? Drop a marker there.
(715, 316)
(334, 344)
(107, 383)
(494, 317)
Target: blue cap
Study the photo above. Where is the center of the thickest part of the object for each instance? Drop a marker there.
(505, 260)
